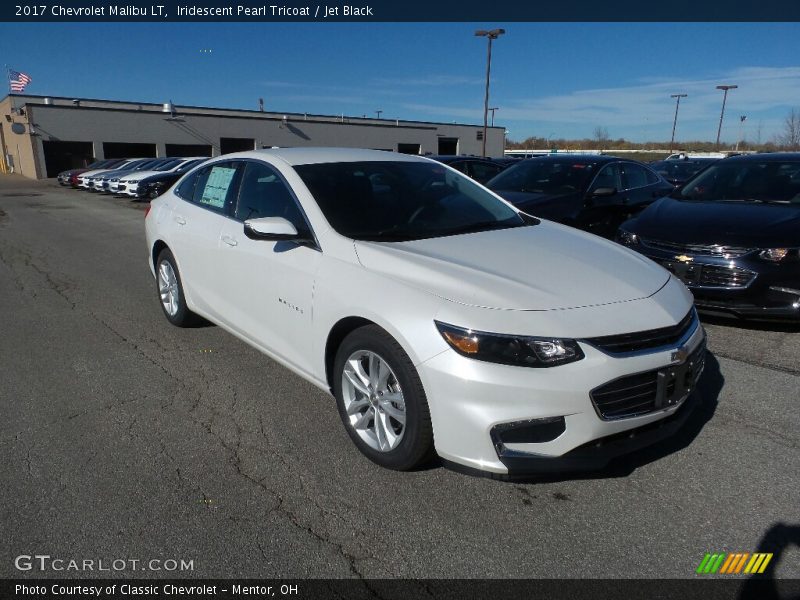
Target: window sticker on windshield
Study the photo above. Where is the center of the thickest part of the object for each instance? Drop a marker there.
(216, 190)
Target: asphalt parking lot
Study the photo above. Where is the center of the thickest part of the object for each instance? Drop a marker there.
(126, 438)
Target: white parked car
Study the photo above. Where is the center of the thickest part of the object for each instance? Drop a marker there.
(86, 180)
(440, 317)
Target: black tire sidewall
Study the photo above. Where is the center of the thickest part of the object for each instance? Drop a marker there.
(183, 317)
(416, 447)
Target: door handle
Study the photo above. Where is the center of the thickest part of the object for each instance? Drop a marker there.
(229, 240)
(180, 220)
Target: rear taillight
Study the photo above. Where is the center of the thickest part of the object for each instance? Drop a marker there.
(146, 211)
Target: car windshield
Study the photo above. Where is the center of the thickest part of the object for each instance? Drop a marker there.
(403, 200)
(146, 164)
(544, 176)
(674, 169)
(740, 180)
(188, 165)
(167, 165)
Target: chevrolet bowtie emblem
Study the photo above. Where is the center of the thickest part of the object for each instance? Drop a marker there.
(684, 258)
(679, 356)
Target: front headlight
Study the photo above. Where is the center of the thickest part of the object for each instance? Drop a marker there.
(626, 238)
(778, 254)
(516, 350)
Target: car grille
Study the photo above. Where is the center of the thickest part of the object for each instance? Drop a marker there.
(643, 393)
(646, 340)
(711, 276)
(697, 249)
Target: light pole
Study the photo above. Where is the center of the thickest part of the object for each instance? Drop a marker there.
(491, 34)
(493, 109)
(675, 121)
(378, 112)
(725, 88)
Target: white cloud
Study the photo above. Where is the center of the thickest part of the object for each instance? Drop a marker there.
(764, 94)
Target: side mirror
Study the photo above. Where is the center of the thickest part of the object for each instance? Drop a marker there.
(271, 228)
(605, 192)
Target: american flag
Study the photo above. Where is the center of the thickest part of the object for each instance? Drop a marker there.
(18, 80)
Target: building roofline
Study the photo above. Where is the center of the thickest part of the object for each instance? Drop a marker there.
(247, 112)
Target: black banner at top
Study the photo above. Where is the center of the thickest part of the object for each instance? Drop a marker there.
(394, 11)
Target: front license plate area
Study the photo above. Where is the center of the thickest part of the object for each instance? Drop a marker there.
(676, 382)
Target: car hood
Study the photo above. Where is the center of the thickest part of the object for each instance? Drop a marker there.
(542, 267)
(749, 224)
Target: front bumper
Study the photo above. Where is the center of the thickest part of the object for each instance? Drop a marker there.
(745, 287)
(472, 399)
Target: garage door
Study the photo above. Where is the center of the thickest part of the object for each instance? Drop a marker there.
(124, 150)
(62, 156)
(188, 150)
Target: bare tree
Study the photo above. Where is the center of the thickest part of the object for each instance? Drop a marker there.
(601, 135)
(790, 137)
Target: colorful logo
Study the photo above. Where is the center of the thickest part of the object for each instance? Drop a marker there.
(735, 563)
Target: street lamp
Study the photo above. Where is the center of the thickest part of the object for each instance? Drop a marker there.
(493, 109)
(491, 34)
(675, 122)
(725, 88)
(378, 112)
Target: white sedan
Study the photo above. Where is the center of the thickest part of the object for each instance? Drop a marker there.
(441, 318)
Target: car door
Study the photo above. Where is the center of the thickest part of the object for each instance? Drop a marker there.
(642, 185)
(600, 211)
(205, 201)
(273, 282)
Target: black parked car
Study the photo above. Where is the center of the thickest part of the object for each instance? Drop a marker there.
(732, 235)
(592, 192)
(154, 185)
(480, 169)
(679, 171)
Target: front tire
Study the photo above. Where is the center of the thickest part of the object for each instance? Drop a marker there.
(170, 291)
(381, 400)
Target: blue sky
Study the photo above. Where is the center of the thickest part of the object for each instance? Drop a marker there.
(548, 79)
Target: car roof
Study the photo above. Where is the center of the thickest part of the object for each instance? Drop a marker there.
(307, 156)
(577, 158)
(768, 157)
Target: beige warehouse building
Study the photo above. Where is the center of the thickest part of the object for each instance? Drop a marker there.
(41, 136)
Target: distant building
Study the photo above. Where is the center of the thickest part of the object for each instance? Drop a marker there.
(40, 136)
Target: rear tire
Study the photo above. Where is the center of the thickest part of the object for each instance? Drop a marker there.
(381, 400)
(170, 291)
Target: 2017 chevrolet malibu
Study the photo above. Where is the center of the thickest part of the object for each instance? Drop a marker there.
(440, 317)
(732, 235)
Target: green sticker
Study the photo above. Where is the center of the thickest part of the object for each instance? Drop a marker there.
(216, 190)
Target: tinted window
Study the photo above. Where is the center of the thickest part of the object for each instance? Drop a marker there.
(216, 186)
(186, 189)
(397, 200)
(543, 176)
(458, 165)
(482, 171)
(746, 180)
(609, 176)
(636, 176)
(263, 193)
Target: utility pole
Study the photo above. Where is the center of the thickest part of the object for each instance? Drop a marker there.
(675, 121)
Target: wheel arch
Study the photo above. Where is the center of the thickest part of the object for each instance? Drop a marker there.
(158, 246)
(341, 329)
